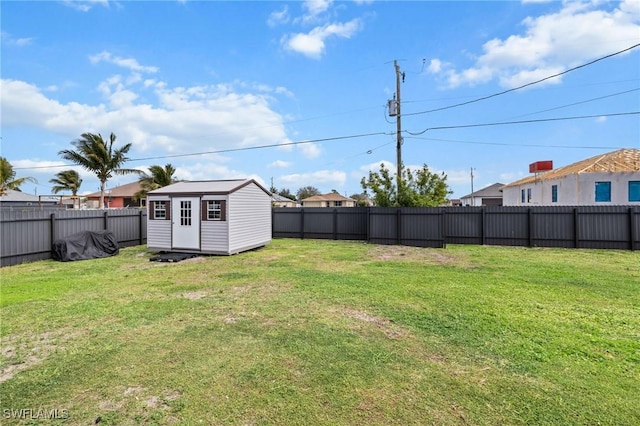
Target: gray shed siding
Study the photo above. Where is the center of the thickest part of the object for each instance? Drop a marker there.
(249, 218)
(214, 235)
(247, 224)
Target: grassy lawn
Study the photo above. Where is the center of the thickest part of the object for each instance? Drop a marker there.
(325, 332)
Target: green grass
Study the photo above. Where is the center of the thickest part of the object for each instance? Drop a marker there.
(324, 332)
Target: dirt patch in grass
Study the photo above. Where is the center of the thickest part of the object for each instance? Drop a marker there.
(385, 325)
(195, 295)
(22, 352)
(411, 254)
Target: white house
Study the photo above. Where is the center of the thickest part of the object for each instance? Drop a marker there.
(488, 196)
(606, 179)
(210, 217)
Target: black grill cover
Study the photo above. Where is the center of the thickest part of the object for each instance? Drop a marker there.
(85, 245)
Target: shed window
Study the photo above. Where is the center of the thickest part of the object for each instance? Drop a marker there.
(213, 210)
(603, 192)
(160, 210)
(554, 193)
(634, 190)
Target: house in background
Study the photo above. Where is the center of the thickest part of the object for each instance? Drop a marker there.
(210, 217)
(607, 179)
(278, 200)
(13, 198)
(116, 198)
(332, 199)
(488, 196)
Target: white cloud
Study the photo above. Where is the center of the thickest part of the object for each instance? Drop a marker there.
(278, 17)
(578, 32)
(185, 119)
(325, 178)
(279, 164)
(128, 63)
(312, 44)
(18, 42)
(310, 150)
(84, 5)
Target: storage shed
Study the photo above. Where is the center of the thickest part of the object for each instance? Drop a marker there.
(210, 217)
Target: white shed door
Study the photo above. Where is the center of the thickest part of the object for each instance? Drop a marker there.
(185, 223)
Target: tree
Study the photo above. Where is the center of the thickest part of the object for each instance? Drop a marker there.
(99, 157)
(8, 178)
(420, 189)
(287, 194)
(67, 180)
(361, 199)
(306, 192)
(158, 177)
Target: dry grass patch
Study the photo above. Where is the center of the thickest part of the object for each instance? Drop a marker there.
(413, 254)
(384, 325)
(21, 352)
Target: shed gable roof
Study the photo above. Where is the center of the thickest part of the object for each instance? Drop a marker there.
(206, 187)
(622, 160)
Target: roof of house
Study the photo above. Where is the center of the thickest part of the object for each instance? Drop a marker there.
(13, 196)
(126, 190)
(280, 199)
(206, 187)
(332, 196)
(489, 191)
(622, 160)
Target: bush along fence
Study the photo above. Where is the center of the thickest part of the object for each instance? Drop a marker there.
(607, 227)
(28, 235)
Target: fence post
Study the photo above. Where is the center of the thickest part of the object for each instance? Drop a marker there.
(141, 223)
(443, 226)
(576, 229)
(368, 224)
(483, 236)
(53, 228)
(106, 220)
(632, 228)
(302, 223)
(530, 227)
(335, 223)
(398, 226)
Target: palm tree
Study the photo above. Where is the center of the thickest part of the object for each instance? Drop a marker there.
(99, 157)
(157, 178)
(8, 177)
(67, 180)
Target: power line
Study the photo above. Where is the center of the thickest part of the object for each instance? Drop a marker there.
(526, 85)
(219, 151)
(503, 123)
(579, 103)
(516, 144)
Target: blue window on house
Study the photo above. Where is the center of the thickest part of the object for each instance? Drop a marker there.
(603, 192)
(522, 196)
(554, 193)
(634, 190)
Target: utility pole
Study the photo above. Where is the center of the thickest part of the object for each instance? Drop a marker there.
(472, 203)
(398, 127)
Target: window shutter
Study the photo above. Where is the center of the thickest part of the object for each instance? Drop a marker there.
(167, 205)
(151, 206)
(223, 210)
(203, 213)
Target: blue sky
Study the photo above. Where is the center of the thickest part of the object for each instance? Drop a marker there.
(177, 78)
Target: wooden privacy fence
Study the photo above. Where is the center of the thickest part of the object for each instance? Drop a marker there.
(28, 234)
(608, 227)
